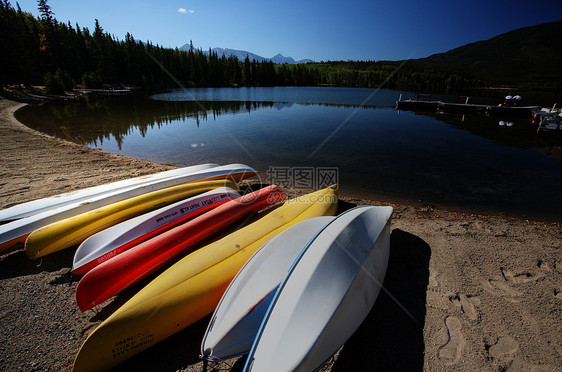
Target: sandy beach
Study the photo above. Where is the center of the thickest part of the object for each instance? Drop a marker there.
(463, 292)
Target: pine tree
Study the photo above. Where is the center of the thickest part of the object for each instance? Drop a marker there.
(247, 71)
(46, 13)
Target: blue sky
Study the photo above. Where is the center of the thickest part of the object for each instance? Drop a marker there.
(319, 30)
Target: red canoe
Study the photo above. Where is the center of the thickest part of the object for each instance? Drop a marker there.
(120, 272)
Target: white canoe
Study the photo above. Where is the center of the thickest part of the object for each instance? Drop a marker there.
(37, 206)
(112, 241)
(238, 316)
(13, 233)
(326, 295)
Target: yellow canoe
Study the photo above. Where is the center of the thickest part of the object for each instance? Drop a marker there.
(190, 289)
(74, 230)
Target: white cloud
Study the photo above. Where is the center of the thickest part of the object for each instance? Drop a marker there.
(185, 11)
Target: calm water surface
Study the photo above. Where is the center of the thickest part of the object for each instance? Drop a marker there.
(470, 162)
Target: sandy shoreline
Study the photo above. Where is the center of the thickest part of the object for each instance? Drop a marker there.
(464, 292)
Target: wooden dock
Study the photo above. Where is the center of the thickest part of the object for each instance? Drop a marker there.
(415, 105)
(464, 108)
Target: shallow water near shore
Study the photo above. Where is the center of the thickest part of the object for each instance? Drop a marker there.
(307, 136)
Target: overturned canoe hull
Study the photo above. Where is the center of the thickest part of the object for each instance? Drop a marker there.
(327, 293)
(236, 321)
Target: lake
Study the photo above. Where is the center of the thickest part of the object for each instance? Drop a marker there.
(305, 137)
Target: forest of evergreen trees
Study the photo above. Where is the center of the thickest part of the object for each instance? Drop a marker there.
(44, 51)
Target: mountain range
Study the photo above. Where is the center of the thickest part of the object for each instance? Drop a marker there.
(241, 55)
(529, 55)
(525, 55)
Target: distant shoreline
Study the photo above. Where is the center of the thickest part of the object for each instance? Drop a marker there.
(36, 94)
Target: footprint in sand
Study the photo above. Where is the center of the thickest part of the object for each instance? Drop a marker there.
(504, 349)
(502, 289)
(520, 278)
(451, 352)
(466, 304)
